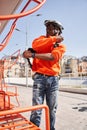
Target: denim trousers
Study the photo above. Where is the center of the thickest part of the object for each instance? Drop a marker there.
(45, 87)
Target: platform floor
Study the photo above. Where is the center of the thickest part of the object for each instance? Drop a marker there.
(71, 113)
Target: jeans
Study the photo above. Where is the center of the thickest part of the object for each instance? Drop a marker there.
(45, 86)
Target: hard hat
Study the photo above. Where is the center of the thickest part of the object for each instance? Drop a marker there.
(58, 25)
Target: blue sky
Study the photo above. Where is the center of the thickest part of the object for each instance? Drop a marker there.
(71, 13)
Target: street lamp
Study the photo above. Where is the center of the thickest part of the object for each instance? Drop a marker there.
(26, 63)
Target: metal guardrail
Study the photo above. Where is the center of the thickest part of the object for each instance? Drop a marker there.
(64, 81)
(14, 120)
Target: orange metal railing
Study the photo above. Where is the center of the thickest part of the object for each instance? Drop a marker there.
(4, 43)
(13, 119)
(7, 38)
(7, 91)
(22, 14)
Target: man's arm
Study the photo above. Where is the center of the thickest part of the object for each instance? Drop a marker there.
(45, 56)
(43, 41)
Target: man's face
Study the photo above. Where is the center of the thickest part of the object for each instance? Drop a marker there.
(51, 30)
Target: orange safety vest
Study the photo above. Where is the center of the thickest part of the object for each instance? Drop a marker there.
(45, 44)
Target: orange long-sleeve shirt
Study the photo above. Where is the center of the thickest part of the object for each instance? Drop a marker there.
(45, 44)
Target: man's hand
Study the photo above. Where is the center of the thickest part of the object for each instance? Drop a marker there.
(27, 54)
(32, 50)
(59, 38)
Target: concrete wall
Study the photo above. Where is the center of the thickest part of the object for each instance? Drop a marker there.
(62, 82)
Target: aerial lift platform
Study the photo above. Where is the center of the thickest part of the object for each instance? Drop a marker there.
(12, 118)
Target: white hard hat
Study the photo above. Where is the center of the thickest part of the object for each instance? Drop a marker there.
(58, 25)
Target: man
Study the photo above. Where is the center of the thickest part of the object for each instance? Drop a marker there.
(48, 51)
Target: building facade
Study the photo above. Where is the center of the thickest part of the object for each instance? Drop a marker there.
(69, 66)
